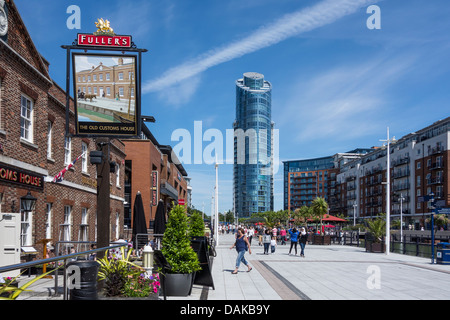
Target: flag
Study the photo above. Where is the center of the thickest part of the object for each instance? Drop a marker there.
(60, 176)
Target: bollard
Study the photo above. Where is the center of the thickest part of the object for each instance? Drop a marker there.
(147, 258)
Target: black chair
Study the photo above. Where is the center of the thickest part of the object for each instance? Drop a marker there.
(163, 267)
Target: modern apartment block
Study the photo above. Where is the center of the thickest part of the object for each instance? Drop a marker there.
(305, 180)
(419, 166)
(253, 145)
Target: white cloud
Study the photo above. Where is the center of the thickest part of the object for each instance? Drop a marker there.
(321, 14)
(345, 102)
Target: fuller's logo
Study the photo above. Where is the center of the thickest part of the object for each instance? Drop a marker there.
(104, 37)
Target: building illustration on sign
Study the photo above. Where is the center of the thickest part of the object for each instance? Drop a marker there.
(106, 88)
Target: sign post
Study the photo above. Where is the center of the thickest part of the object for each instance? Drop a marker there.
(106, 102)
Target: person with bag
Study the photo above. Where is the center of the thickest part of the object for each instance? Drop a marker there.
(294, 239)
(242, 245)
(303, 239)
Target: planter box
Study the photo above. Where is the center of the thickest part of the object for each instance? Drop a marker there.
(321, 240)
(177, 284)
(375, 247)
(153, 296)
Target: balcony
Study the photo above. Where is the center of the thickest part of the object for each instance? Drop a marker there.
(400, 161)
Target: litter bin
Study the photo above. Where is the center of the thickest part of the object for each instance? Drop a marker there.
(86, 289)
(443, 253)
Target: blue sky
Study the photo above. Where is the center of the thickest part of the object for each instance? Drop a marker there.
(337, 85)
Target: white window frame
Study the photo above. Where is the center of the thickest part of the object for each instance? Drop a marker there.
(48, 221)
(84, 149)
(68, 150)
(26, 228)
(49, 139)
(117, 175)
(27, 133)
(83, 227)
(67, 227)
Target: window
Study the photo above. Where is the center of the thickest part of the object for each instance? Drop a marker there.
(84, 149)
(117, 175)
(94, 77)
(68, 150)
(100, 76)
(48, 221)
(108, 91)
(67, 226)
(84, 225)
(49, 139)
(117, 225)
(107, 76)
(26, 228)
(121, 91)
(89, 78)
(26, 116)
(120, 75)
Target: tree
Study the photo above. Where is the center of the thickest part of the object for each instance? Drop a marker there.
(302, 214)
(319, 208)
(196, 225)
(176, 245)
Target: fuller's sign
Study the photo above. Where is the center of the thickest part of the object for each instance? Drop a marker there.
(104, 40)
(21, 177)
(104, 37)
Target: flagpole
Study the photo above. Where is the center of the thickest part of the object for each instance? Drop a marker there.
(217, 205)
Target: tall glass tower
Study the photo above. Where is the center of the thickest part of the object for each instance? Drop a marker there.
(253, 145)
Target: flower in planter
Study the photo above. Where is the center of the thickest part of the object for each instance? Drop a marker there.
(140, 284)
(124, 278)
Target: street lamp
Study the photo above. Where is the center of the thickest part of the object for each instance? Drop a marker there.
(28, 202)
(432, 207)
(354, 213)
(401, 216)
(388, 190)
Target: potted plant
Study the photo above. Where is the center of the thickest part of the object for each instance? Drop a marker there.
(123, 279)
(377, 230)
(319, 208)
(176, 248)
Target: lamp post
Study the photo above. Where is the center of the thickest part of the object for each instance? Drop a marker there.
(354, 213)
(401, 216)
(432, 207)
(216, 231)
(388, 190)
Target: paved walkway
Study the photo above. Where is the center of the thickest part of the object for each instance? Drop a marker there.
(331, 272)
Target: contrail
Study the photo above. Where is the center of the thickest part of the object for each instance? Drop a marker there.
(292, 24)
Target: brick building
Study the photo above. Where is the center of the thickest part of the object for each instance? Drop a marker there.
(154, 170)
(33, 149)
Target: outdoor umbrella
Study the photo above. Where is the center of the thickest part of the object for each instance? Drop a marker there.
(139, 224)
(160, 221)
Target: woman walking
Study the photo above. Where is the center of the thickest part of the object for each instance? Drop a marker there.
(242, 245)
(294, 238)
(303, 239)
(266, 241)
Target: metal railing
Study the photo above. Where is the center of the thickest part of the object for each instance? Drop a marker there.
(65, 258)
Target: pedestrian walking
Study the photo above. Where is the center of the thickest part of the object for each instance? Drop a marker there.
(242, 245)
(251, 232)
(283, 236)
(303, 239)
(273, 244)
(294, 239)
(266, 241)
